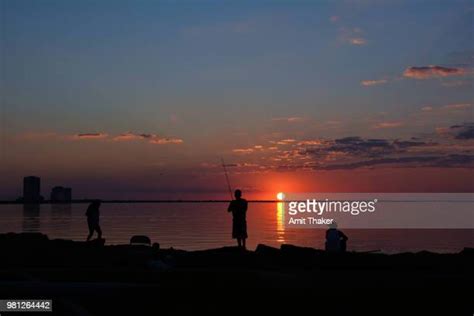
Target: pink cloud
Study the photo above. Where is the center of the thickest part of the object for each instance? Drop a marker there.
(243, 150)
(445, 109)
(291, 119)
(432, 71)
(387, 125)
(353, 36)
(126, 137)
(286, 141)
(151, 138)
(442, 130)
(314, 142)
(357, 41)
(457, 106)
(368, 83)
(165, 141)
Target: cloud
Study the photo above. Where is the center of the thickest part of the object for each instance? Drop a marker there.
(448, 161)
(402, 144)
(387, 125)
(164, 141)
(432, 71)
(442, 130)
(355, 152)
(452, 149)
(464, 131)
(128, 136)
(368, 83)
(243, 150)
(91, 136)
(312, 142)
(457, 106)
(353, 36)
(357, 147)
(291, 119)
(286, 141)
(357, 41)
(151, 138)
(43, 136)
(447, 109)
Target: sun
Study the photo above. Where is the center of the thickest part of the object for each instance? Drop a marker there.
(280, 196)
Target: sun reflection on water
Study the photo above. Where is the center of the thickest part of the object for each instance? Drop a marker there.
(280, 214)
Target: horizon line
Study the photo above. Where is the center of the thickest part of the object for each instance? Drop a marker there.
(79, 201)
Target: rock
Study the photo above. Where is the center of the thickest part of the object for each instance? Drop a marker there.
(140, 240)
(299, 251)
(468, 251)
(265, 250)
(96, 242)
(28, 238)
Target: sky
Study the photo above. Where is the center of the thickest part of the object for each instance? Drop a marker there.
(142, 99)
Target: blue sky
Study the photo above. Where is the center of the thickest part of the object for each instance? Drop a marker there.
(226, 75)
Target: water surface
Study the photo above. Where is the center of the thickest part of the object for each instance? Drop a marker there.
(194, 226)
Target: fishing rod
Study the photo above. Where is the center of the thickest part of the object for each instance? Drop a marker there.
(227, 179)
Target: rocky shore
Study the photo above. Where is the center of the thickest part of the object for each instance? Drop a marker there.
(97, 279)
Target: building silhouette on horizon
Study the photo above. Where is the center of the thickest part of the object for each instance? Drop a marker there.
(32, 189)
(61, 194)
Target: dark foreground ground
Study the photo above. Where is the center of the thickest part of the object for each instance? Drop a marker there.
(93, 279)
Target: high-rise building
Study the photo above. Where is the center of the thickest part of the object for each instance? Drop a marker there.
(31, 189)
(61, 194)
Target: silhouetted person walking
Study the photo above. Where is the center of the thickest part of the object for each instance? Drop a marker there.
(93, 215)
(336, 240)
(238, 207)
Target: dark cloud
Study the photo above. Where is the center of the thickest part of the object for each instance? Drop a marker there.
(356, 152)
(408, 143)
(348, 140)
(448, 161)
(464, 131)
(362, 148)
(90, 136)
(428, 72)
(449, 149)
(147, 136)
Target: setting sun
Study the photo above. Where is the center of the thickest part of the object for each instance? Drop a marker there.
(280, 196)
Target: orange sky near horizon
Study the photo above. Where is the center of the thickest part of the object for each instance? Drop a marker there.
(389, 180)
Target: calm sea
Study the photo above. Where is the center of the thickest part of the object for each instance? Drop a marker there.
(194, 226)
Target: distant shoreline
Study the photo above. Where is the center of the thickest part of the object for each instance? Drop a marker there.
(83, 201)
(135, 201)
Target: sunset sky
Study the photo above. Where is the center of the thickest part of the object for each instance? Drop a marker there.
(141, 99)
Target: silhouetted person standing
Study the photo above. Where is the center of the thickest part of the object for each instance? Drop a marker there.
(93, 215)
(238, 207)
(336, 240)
